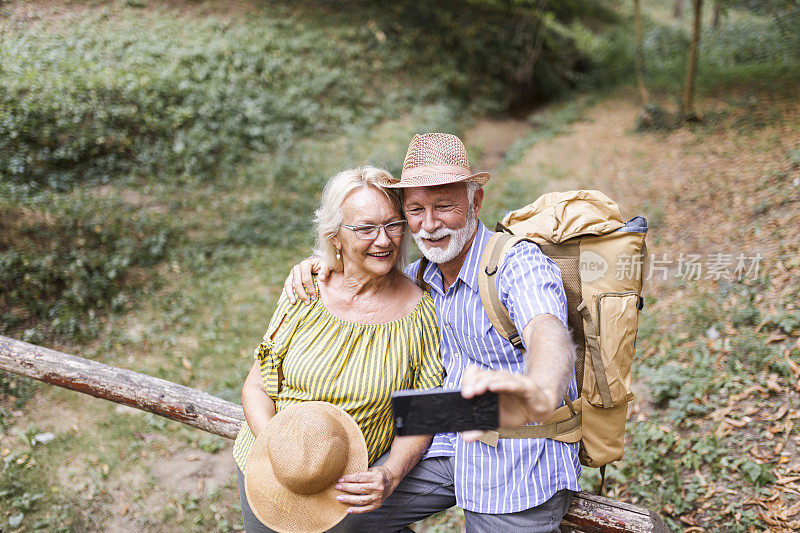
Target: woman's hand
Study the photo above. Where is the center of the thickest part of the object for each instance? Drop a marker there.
(366, 491)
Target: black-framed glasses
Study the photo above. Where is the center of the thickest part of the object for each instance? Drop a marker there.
(368, 232)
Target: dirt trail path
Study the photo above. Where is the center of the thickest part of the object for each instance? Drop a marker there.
(713, 190)
(719, 189)
(494, 137)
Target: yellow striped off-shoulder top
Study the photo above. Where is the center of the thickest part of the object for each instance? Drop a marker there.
(355, 366)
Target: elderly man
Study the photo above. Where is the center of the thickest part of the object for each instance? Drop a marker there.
(519, 484)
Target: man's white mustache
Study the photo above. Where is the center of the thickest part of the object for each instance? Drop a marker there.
(438, 234)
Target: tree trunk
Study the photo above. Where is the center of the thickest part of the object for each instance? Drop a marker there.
(716, 15)
(596, 514)
(687, 108)
(678, 9)
(523, 75)
(637, 9)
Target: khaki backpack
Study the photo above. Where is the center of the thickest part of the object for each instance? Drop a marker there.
(602, 261)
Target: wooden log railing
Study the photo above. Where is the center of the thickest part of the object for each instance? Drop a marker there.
(170, 400)
(589, 513)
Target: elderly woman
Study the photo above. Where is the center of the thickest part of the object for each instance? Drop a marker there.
(371, 332)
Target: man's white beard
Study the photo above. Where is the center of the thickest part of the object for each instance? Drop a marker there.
(458, 239)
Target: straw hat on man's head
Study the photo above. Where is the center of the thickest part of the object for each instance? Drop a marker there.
(295, 464)
(436, 159)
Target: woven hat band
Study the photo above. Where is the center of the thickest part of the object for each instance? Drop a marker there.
(425, 170)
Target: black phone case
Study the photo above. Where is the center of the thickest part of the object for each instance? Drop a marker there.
(426, 412)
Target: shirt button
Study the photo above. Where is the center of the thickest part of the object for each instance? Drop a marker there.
(455, 355)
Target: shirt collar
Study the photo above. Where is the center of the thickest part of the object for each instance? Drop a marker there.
(469, 270)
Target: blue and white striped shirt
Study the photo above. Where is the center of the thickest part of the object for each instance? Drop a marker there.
(519, 473)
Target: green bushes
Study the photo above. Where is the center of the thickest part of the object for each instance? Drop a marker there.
(164, 102)
(159, 94)
(281, 214)
(104, 100)
(63, 263)
(491, 54)
(279, 220)
(746, 47)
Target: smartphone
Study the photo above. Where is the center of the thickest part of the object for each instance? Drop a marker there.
(426, 412)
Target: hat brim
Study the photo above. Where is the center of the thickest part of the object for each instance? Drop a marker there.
(288, 512)
(432, 180)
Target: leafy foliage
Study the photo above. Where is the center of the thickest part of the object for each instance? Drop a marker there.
(77, 255)
(282, 215)
(131, 100)
(98, 102)
(709, 397)
(752, 45)
(512, 56)
(94, 104)
(212, 103)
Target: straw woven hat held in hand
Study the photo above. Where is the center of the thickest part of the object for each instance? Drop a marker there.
(436, 159)
(295, 464)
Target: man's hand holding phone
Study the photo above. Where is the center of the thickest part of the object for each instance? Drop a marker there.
(521, 400)
(487, 400)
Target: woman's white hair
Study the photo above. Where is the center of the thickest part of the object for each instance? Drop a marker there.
(329, 216)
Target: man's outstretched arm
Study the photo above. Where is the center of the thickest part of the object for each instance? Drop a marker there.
(534, 395)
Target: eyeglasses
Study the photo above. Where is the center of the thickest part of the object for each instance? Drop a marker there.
(369, 232)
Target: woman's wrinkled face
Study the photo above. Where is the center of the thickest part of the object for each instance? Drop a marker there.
(368, 206)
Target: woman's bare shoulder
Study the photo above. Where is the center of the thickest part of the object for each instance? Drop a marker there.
(407, 292)
(407, 286)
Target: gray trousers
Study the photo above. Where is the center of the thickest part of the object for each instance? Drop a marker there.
(425, 491)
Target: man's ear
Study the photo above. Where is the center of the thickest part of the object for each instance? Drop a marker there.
(478, 200)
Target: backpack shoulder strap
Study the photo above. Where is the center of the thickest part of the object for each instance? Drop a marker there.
(495, 250)
(421, 283)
